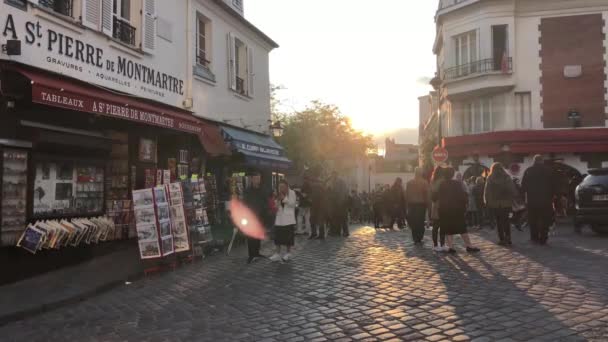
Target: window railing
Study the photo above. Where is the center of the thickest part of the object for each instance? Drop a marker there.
(63, 7)
(201, 59)
(483, 66)
(240, 86)
(123, 31)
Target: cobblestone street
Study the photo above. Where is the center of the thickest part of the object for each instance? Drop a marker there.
(373, 286)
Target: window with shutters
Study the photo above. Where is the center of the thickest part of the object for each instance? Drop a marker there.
(122, 28)
(63, 7)
(241, 66)
(203, 41)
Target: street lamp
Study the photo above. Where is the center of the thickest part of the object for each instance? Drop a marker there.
(277, 129)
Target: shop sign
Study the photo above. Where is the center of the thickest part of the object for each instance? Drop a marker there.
(56, 98)
(257, 148)
(88, 57)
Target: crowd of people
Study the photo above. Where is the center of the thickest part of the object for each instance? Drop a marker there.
(447, 203)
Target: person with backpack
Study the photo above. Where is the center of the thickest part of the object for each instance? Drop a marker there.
(499, 195)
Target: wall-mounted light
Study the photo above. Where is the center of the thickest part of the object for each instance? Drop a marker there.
(277, 129)
(574, 117)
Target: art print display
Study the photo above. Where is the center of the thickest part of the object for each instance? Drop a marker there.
(180, 228)
(162, 212)
(145, 215)
(165, 228)
(65, 188)
(177, 213)
(179, 224)
(14, 195)
(181, 243)
(160, 195)
(166, 177)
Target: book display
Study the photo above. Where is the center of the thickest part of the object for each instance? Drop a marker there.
(57, 234)
(118, 202)
(14, 194)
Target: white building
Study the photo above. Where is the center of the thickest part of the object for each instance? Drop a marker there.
(521, 77)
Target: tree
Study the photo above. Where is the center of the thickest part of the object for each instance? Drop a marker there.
(321, 136)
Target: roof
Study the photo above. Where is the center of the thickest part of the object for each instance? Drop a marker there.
(245, 22)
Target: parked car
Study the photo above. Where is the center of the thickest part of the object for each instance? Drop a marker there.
(592, 201)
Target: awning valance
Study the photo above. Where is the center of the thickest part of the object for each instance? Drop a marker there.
(63, 92)
(259, 149)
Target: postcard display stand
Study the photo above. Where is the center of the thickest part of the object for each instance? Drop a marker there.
(161, 223)
(199, 219)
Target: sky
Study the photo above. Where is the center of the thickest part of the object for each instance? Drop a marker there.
(372, 59)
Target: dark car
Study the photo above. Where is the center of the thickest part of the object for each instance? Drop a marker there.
(592, 201)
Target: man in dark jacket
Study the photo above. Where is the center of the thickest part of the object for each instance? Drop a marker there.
(257, 199)
(339, 196)
(538, 185)
(318, 208)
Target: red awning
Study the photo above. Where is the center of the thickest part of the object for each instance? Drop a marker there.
(60, 91)
(213, 141)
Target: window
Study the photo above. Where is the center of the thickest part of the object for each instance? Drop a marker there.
(122, 29)
(478, 116)
(241, 67)
(203, 57)
(63, 7)
(499, 45)
(22, 4)
(466, 52)
(523, 103)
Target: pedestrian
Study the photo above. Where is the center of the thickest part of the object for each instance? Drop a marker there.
(477, 194)
(538, 185)
(417, 199)
(318, 207)
(452, 210)
(377, 199)
(471, 205)
(339, 212)
(397, 204)
(285, 222)
(257, 199)
(500, 194)
(303, 221)
(437, 233)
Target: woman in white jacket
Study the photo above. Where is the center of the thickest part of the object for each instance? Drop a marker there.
(285, 222)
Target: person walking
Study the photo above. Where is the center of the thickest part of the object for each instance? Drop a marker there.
(477, 194)
(257, 199)
(538, 185)
(417, 199)
(397, 204)
(438, 235)
(500, 194)
(452, 209)
(285, 222)
(303, 221)
(340, 206)
(318, 207)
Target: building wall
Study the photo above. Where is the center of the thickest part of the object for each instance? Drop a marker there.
(215, 100)
(582, 46)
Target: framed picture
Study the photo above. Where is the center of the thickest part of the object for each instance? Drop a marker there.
(145, 216)
(147, 232)
(143, 198)
(147, 150)
(160, 195)
(165, 228)
(181, 243)
(149, 249)
(163, 212)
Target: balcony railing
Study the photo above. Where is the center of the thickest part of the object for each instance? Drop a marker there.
(201, 59)
(484, 66)
(63, 7)
(240, 85)
(123, 31)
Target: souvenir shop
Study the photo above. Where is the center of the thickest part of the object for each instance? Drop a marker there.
(73, 153)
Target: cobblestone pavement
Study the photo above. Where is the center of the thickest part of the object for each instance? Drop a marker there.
(373, 286)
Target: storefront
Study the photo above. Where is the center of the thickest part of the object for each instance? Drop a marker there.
(72, 150)
(253, 151)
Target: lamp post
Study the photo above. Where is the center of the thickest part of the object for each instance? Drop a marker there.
(277, 129)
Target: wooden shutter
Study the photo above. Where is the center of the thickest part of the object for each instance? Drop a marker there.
(148, 27)
(107, 17)
(231, 61)
(91, 13)
(250, 71)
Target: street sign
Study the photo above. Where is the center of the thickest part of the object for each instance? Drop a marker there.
(440, 155)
